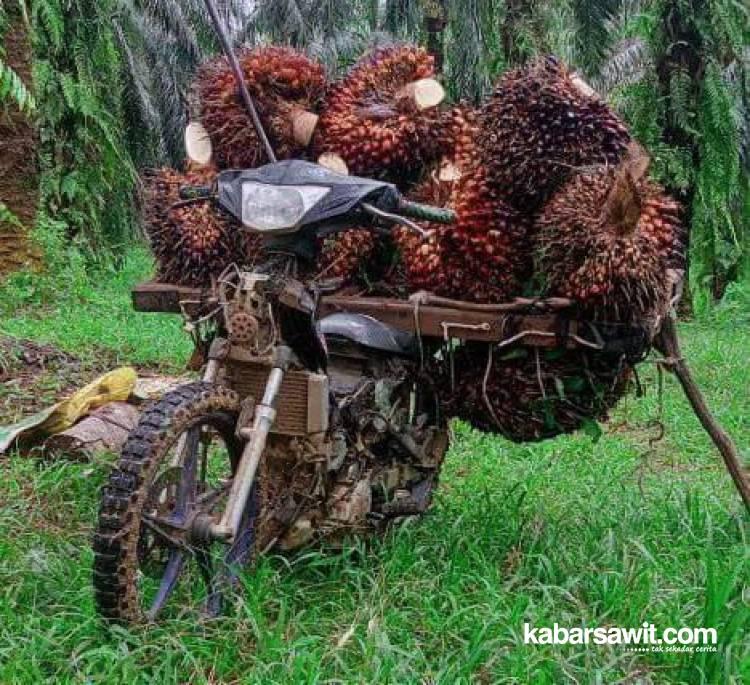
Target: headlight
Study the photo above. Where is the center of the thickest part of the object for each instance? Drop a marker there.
(277, 208)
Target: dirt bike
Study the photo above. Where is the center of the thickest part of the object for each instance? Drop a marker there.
(303, 427)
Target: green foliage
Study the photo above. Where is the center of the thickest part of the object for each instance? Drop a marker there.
(8, 217)
(161, 43)
(336, 32)
(111, 79)
(720, 237)
(84, 307)
(88, 173)
(470, 63)
(403, 18)
(13, 89)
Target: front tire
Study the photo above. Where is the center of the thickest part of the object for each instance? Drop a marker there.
(154, 482)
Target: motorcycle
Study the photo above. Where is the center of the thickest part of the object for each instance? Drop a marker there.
(303, 428)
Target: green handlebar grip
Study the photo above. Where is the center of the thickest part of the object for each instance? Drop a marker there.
(195, 192)
(415, 210)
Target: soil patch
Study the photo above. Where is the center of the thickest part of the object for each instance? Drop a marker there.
(35, 375)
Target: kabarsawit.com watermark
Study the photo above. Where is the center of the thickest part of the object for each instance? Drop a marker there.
(646, 638)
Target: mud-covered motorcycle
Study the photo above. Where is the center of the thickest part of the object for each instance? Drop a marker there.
(302, 428)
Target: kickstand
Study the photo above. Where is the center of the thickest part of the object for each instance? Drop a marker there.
(667, 344)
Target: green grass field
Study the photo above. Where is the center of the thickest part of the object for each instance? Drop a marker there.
(612, 533)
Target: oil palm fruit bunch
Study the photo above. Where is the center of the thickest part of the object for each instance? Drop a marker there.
(192, 242)
(531, 396)
(342, 255)
(607, 239)
(457, 133)
(433, 263)
(287, 87)
(377, 120)
(485, 255)
(429, 263)
(541, 122)
(492, 238)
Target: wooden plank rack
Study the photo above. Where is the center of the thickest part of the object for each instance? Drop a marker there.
(534, 323)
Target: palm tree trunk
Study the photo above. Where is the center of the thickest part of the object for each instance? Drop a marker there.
(684, 56)
(516, 11)
(435, 20)
(19, 172)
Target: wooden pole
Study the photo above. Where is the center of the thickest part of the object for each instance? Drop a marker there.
(247, 99)
(668, 344)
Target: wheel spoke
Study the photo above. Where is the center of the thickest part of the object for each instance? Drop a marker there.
(239, 553)
(168, 582)
(213, 586)
(187, 487)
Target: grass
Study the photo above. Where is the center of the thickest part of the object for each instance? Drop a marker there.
(611, 533)
(90, 315)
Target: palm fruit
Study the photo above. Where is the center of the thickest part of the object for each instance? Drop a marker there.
(429, 263)
(485, 255)
(541, 123)
(433, 263)
(492, 238)
(606, 240)
(342, 255)
(529, 398)
(282, 82)
(192, 242)
(371, 123)
(457, 133)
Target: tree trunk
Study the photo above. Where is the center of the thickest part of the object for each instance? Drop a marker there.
(516, 12)
(435, 21)
(684, 56)
(19, 172)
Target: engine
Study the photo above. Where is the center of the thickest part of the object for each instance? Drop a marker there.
(384, 447)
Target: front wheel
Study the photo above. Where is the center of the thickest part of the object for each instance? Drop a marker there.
(176, 466)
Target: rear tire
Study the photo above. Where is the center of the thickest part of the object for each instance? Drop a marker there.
(118, 545)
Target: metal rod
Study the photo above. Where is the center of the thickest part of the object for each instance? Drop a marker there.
(244, 93)
(395, 218)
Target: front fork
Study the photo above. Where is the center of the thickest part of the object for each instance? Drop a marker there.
(263, 419)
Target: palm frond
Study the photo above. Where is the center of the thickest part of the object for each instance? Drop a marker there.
(594, 33)
(402, 17)
(170, 17)
(146, 124)
(626, 64)
(13, 89)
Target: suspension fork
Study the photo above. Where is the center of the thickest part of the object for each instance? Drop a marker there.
(256, 436)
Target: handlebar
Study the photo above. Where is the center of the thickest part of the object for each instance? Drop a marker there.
(415, 210)
(404, 210)
(196, 192)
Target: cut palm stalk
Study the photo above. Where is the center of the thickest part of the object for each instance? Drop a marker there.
(304, 124)
(426, 93)
(334, 162)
